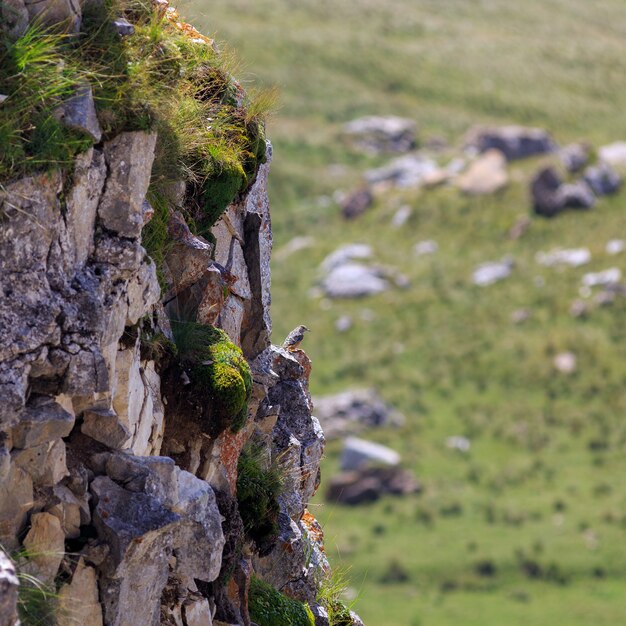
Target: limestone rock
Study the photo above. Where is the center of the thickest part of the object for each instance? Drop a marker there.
(129, 159)
(492, 272)
(104, 426)
(79, 113)
(16, 499)
(231, 318)
(70, 511)
(354, 280)
(43, 420)
(358, 453)
(515, 142)
(407, 171)
(376, 135)
(198, 613)
(486, 175)
(78, 600)
(45, 546)
(9, 589)
(45, 463)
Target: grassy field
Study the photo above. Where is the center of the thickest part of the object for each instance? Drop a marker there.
(529, 527)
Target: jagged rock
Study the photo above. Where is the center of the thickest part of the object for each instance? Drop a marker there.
(79, 113)
(104, 426)
(257, 248)
(370, 484)
(188, 258)
(320, 615)
(16, 499)
(13, 18)
(574, 257)
(376, 134)
(142, 292)
(351, 411)
(198, 613)
(551, 196)
(515, 142)
(54, 12)
(45, 546)
(42, 420)
(603, 179)
(44, 463)
(614, 154)
(9, 590)
(356, 203)
(231, 318)
(70, 511)
(129, 158)
(78, 600)
(123, 27)
(407, 171)
(86, 373)
(575, 156)
(486, 175)
(358, 453)
(492, 272)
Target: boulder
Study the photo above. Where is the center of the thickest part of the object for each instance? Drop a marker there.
(79, 113)
(370, 484)
(354, 280)
(603, 179)
(486, 175)
(407, 171)
(358, 453)
(574, 156)
(551, 196)
(78, 600)
(614, 154)
(42, 420)
(604, 278)
(351, 411)
(377, 134)
(44, 546)
(515, 142)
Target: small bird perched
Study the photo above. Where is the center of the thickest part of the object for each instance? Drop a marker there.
(294, 338)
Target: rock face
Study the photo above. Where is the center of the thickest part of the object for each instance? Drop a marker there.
(109, 479)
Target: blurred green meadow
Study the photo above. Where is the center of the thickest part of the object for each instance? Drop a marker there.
(529, 526)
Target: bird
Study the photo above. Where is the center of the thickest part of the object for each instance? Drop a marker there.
(294, 338)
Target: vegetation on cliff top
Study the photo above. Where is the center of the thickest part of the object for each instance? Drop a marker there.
(269, 607)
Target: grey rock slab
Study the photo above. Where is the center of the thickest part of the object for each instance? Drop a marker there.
(9, 590)
(354, 280)
(123, 27)
(79, 113)
(129, 158)
(572, 257)
(45, 545)
(42, 420)
(377, 134)
(358, 453)
(515, 142)
(492, 272)
(45, 463)
(78, 600)
(231, 318)
(604, 278)
(104, 426)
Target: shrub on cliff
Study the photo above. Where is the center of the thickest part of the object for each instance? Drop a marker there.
(219, 375)
(269, 607)
(259, 484)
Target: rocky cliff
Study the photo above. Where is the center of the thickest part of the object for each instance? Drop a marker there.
(157, 452)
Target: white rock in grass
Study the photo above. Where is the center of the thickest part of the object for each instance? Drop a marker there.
(600, 279)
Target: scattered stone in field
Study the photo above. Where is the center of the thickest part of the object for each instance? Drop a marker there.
(604, 278)
(603, 179)
(369, 484)
(522, 224)
(492, 272)
(579, 309)
(435, 179)
(574, 257)
(345, 253)
(354, 280)
(406, 171)
(551, 196)
(604, 298)
(356, 203)
(565, 362)
(294, 245)
(401, 216)
(349, 412)
(423, 248)
(376, 135)
(344, 324)
(486, 175)
(358, 453)
(515, 142)
(462, 444)
(615, 246)
(614, 154)
(575, 156)
(519, 316)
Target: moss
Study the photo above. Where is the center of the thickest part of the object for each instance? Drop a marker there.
(258, 488)
(218, 372)
(269, 607)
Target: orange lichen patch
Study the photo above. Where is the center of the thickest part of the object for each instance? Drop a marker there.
(313, 528)
(173, 17)
(230, 446)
